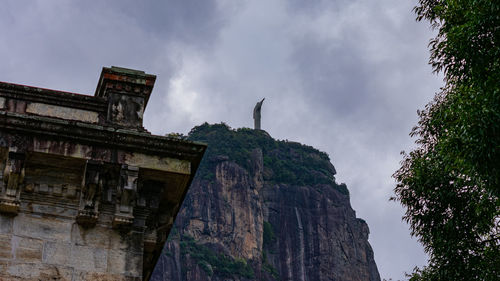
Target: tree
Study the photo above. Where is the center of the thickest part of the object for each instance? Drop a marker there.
(450, 184)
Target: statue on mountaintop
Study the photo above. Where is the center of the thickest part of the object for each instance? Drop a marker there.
(256, 114)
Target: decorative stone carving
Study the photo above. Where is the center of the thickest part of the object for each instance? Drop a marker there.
(126, 110)
(88, 212)
(125, 196)
(13, 176)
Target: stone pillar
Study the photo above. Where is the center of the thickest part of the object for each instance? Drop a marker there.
(88, 212)
(126, 196)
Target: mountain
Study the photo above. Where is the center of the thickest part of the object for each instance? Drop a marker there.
(265, 209)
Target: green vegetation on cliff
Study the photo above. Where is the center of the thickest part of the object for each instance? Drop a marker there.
(212, 262)
(268, 234)
(284, 161)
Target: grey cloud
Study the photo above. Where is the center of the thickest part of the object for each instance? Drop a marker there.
(190, 21)
(331, 76)
(375, 87)
(313, 8)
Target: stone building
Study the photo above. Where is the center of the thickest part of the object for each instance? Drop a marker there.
(86, 193)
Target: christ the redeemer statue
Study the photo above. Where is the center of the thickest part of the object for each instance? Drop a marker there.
(256, 114)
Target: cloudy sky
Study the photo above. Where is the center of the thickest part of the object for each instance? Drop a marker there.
(345, 76)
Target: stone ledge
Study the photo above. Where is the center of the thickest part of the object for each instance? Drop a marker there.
(61, 98)
(101, 136)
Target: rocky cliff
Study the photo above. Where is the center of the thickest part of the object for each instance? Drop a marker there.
(262, 209)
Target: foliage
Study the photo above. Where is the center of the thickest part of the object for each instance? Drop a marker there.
(269, 268)
(361, 220)
(286, 162)
(176, 136)
(174, 234)
(342, 188)
(214, 263)
(268, 234)
(450, 183)
(268, 237)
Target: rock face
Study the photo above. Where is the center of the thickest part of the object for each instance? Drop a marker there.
(317, 236)
(261, 209)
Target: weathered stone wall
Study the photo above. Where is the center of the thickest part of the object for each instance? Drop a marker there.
(46, 248)
(86, 193)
